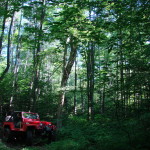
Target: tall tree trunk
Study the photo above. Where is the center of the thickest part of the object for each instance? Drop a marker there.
(90, 79)
(82, 98)
(16, 68)
(8, 49)
(103, 99)
(3, 26)
(116, 101)
(36, 89)
(65, 76)
(75, 90)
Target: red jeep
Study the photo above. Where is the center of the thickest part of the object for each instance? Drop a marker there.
(27, 125)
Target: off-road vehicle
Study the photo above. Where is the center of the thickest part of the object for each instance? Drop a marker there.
(27, 125)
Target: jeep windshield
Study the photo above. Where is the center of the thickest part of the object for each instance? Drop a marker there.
(30, 116)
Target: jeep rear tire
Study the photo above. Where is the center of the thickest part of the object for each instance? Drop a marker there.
(29, 137)
(7, 136)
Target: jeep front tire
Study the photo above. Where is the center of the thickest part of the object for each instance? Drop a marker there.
(29, 137)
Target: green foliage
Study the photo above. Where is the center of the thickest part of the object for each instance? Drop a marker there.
(67, 144)
(4, 147)
(2, 66)
(103, 134)
(119, 36)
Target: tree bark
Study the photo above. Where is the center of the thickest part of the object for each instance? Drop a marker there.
(75, 90)
(3, 27)
(16, 67)
(37, 61)
(8, 49)
(65, 76)
(82, 98)
(90, 79)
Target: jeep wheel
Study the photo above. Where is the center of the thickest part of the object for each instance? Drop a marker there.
(7, 135)
(51, 136)
(29, 137)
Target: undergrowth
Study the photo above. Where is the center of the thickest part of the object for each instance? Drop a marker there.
(101, 134)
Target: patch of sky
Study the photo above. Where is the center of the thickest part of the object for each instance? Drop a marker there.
(147, 42)
(4, 52)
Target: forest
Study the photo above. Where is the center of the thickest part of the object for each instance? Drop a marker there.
(83, 65)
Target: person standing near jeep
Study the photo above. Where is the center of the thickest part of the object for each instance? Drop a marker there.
(9, 117)
(18, 120)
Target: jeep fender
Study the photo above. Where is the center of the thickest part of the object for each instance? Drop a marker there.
(7, 126)
(31, 128)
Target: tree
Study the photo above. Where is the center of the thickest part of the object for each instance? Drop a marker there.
(3, 24)
(8, 47)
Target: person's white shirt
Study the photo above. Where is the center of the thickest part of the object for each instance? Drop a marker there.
(7, 118)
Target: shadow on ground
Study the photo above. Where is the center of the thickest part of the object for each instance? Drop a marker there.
(19, 144)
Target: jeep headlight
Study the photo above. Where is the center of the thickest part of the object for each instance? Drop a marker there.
(49, 124)
(41, 124)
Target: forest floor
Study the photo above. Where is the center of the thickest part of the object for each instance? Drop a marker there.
(19, 145)
(16, 146)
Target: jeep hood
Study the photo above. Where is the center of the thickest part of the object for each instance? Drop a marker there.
(32, 121)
